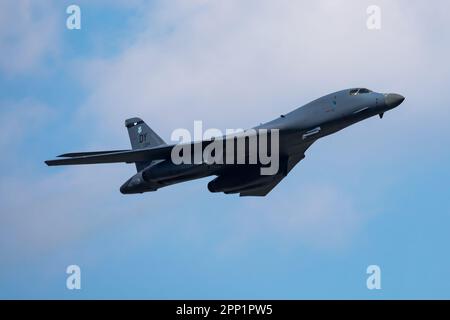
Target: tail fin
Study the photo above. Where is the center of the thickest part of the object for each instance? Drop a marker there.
(141, 136)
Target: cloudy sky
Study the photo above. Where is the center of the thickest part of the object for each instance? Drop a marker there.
(375, 193)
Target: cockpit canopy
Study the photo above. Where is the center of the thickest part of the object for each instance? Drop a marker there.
(354, 92)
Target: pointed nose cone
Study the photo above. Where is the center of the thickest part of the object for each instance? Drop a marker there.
(393, 100)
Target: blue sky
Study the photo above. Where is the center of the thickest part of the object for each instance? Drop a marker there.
(375, 193)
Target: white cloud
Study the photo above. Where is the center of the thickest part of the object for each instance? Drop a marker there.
(43, 215)
(231, 64)
(318, 216)
(28, 35)
(234, 64)
(20, 118)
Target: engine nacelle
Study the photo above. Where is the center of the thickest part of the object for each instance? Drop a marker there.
(166, 172)
(235, 183)
(137, 184)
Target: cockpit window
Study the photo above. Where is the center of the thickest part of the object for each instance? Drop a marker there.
(355, 92)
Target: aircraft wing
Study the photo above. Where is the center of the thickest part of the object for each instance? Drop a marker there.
(257, 185)
(263, 190)
(129, 156)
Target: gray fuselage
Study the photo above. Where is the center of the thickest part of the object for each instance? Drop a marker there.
(298, 130)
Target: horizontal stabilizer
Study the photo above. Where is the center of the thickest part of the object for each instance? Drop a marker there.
(89, 153)
(158, 153)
